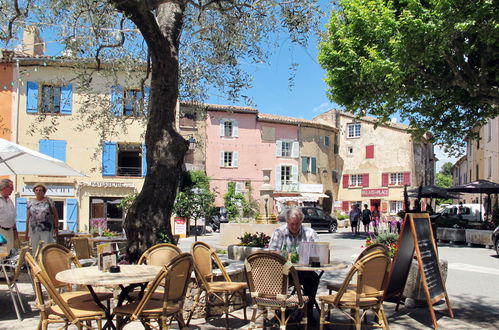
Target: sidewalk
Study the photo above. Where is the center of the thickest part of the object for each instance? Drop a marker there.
(467, 315)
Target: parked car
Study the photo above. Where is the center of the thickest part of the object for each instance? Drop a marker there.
(495, 239)
(217, 216)
(465, 215)
(317, 218)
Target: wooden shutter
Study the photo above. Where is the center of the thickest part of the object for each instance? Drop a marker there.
(144, 160)
(235, 128)
(295, 149)
(344, 206)
(370, 152)
(345, 181)
(407, 178)
(235, 159)
(72, 214)
(222, 162)
(53, 148)
(67, 99)
(109, 159)
(365, 180)
(384, 179)
(294, 177)
(21, 213)
(278, 184)
(117, 100)
(32, 97)
(304, 164)
(222, 127)
(278, 148)
(314, 165)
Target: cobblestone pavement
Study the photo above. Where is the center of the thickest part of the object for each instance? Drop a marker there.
(475, 314)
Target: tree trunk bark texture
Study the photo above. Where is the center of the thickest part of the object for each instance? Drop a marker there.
(151, 210)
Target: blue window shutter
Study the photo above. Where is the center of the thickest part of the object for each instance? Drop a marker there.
(46, 147)
(67, 99)
(117, 100)
(109, 159)
(144, 160)
(32, 97)
(72, 214)
(147, 94)
(21, 213)
(59, 150)
(314, 165)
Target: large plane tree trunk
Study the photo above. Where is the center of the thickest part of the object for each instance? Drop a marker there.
(151, 211)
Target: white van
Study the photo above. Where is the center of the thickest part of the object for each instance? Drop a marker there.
(466, 212)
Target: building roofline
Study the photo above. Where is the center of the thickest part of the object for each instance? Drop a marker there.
(263, 117)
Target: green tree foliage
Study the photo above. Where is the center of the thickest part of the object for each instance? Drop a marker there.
(432, 61)
(233, 202)
(444, 180)
(184, 48)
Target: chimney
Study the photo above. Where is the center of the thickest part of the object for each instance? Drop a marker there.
(32, 45)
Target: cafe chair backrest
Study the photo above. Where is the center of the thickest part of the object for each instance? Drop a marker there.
(82, 247)
(54, 258)
(159, 254)
(204, 256)
(176, 274)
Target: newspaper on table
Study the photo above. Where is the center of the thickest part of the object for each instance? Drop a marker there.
(107, 255)
(307, 250)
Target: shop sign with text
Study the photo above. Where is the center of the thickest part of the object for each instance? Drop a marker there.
(375, 192)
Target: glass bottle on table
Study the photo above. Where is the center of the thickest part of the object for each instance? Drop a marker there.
(284, 251)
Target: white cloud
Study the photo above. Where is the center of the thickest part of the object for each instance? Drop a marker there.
(443, 157)
(323, 107)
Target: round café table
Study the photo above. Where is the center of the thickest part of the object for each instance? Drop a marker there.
(92, 276)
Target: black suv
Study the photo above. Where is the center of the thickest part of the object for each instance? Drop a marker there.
(317, 218)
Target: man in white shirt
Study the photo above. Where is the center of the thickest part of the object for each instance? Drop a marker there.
(7, 213)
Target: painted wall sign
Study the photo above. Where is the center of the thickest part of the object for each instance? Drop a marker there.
(375, 192)
(52, 190)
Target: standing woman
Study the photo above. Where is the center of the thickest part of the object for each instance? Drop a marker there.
(42, 217)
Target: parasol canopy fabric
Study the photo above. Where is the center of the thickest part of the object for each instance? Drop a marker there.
(432, 191)
(16, 159)
(478, 187)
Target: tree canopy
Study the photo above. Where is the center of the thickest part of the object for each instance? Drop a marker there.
(432, 61)
(182, 47)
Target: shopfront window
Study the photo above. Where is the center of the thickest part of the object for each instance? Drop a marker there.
(107, 207)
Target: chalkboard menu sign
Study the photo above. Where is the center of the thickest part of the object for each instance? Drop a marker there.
(416, 236)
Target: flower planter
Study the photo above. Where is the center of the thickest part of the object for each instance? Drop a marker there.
(452, 235)
(479, 237)
(238, 252)
(414, 290)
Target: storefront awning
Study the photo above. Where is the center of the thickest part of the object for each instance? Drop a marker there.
(302, 197)
(314, 195)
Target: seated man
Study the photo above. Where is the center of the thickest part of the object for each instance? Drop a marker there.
(290, 235)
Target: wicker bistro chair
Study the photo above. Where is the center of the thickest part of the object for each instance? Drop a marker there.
(54, 258)
(82, 247)
(9, 276)
(372, 273)
(374, 248)
(175, 276)
(222, 292)
(268, 274)
(59, 309)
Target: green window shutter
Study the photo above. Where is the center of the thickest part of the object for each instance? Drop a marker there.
(304, 164)
(314, 165)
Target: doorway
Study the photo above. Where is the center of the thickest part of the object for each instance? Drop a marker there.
(375, 202)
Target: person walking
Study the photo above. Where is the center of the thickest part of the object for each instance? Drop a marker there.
(375, 218)
(42, 219)
(366, 218)
(354, 217)
(7, 214)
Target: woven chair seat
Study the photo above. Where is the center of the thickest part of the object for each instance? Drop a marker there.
(290, 302)
(84, 296)
(223, 286)
(152, 307)
(349, 299)
(80, 310)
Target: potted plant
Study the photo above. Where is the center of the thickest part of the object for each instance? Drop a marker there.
(249, 243)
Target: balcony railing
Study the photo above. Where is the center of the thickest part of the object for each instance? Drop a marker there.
(129, 171)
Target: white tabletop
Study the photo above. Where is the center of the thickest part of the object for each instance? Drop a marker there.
(326, 268)
(129, 274)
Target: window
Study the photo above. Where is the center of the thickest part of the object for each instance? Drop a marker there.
(228, 128)
(228, 159)
(59, 206)
(54, 99)
(356, 180)
(124, 159)
(370, 152)
(396, 206)
(336, 177)
(51, 99)
(129, 160)
(336, 147)
(286, 175)
(353, 130)
(326, 140)
(53, 148)
(107, 207)
(129, 102)
(238, 187)
(350, 150)
(287, 149)
(309, 165)
(396, 178)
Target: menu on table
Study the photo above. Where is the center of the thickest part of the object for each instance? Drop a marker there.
(107, 254)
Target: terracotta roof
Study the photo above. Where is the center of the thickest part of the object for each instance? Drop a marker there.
(220, 107)
(292, 120)
(369, 119)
